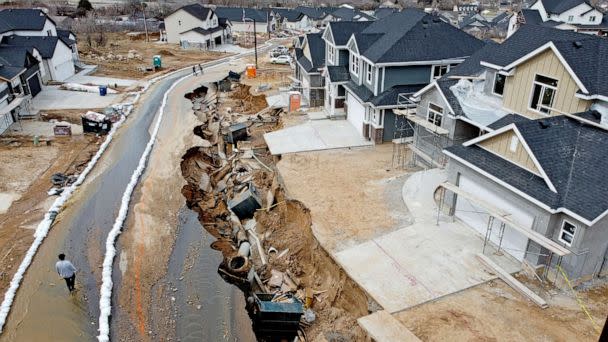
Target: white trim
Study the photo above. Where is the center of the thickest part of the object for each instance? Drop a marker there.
(559, 56)
(352, 37)
(540, 96)
(447, 69)
(513, 128)
(383, 78)
(435, 113)
(561, 230)
(476, 124)
(494, 84)
(490, 65)
(368, 74)
(592, 97)
(441, 61)
(428, 87)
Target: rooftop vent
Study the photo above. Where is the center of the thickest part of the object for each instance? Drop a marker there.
(436, 19)
(577, 44)
(543, 124)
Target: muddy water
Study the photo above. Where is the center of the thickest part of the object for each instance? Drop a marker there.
(205, 307)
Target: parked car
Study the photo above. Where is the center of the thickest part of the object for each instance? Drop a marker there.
(283, 59)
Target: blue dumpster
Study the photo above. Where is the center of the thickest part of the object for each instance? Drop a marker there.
(103, 90)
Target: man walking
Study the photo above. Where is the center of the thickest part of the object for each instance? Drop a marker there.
(200, 66)
(66, 271)
(194, 70)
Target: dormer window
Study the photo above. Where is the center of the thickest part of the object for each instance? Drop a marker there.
(354, 64)
(543, 93)
(592, 18)
(570, 18)
(439, 70)
(368, 73)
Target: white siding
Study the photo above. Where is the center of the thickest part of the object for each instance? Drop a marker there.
(62, 64)
(181, 21)
(239, 26)
(355, 112)
(471, 214)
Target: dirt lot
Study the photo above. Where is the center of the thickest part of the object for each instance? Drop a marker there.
(325, 181)
(26, 172)
(495, 312)
(173, 57)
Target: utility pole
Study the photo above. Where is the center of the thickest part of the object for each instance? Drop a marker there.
(143, 10)
(255, 44)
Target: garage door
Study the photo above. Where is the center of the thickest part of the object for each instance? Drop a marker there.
(355, 112)
(34, 84)
(470, 213)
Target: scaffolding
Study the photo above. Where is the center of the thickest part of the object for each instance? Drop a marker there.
(416, 134)
(504, 220)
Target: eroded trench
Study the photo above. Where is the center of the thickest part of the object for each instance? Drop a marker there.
(265, 239)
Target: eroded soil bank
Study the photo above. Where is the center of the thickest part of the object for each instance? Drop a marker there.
(217, 172)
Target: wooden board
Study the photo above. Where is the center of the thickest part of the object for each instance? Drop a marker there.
(514, 283)
(383, 327)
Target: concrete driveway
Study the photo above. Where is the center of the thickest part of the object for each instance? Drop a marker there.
(315, 135)
(423, 261)
(51, 97)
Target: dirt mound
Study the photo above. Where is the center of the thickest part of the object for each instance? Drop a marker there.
(248, 103)
(166, 53)
(340, 301)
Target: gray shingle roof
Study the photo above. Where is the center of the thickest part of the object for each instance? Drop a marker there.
(383, 12)
(444, 85)
(361, 91)
(203, 31)
(44, 44)
(196, 10)
(342, 30)
(236, 14)
(316, 46)
(432, 38)
(560, 6)
(12, 60)
(288, 14)
(314, 13)
(64, 35)
(471, 66)
(338, 73)
(572, 154)
(589, 61)
(390, 96)
(22, 19)
(349, 14)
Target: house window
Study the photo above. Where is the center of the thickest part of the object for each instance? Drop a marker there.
(49, 33)
(440, 70)
(570, 18)
(330, 54)
(543, 93)
(368, 73)
(513, 144)
(499, 84)
(179, 22)
(434, 114)
(592, 18)
(566, 234)
(354, 64)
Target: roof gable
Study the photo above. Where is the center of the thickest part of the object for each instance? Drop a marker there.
(509, 144)
(44, 44)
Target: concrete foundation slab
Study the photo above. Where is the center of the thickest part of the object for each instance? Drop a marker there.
(315, 135)
(98, 80)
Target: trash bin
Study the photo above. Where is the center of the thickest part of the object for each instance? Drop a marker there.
(103, 90)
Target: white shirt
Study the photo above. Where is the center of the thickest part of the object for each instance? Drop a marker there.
(65, 268)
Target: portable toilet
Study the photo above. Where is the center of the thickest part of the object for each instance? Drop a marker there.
(156, 61)
(295, 100)
(251, 71)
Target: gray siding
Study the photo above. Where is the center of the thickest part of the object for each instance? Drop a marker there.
(590, 243)
(404, 75)
(390, 127)
(343, 57)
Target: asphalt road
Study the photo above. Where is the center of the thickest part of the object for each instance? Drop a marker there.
(43, 310)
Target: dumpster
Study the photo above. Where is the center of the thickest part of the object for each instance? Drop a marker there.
(276, 317)
(103, 90)
(98, 123)
(156, 61)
